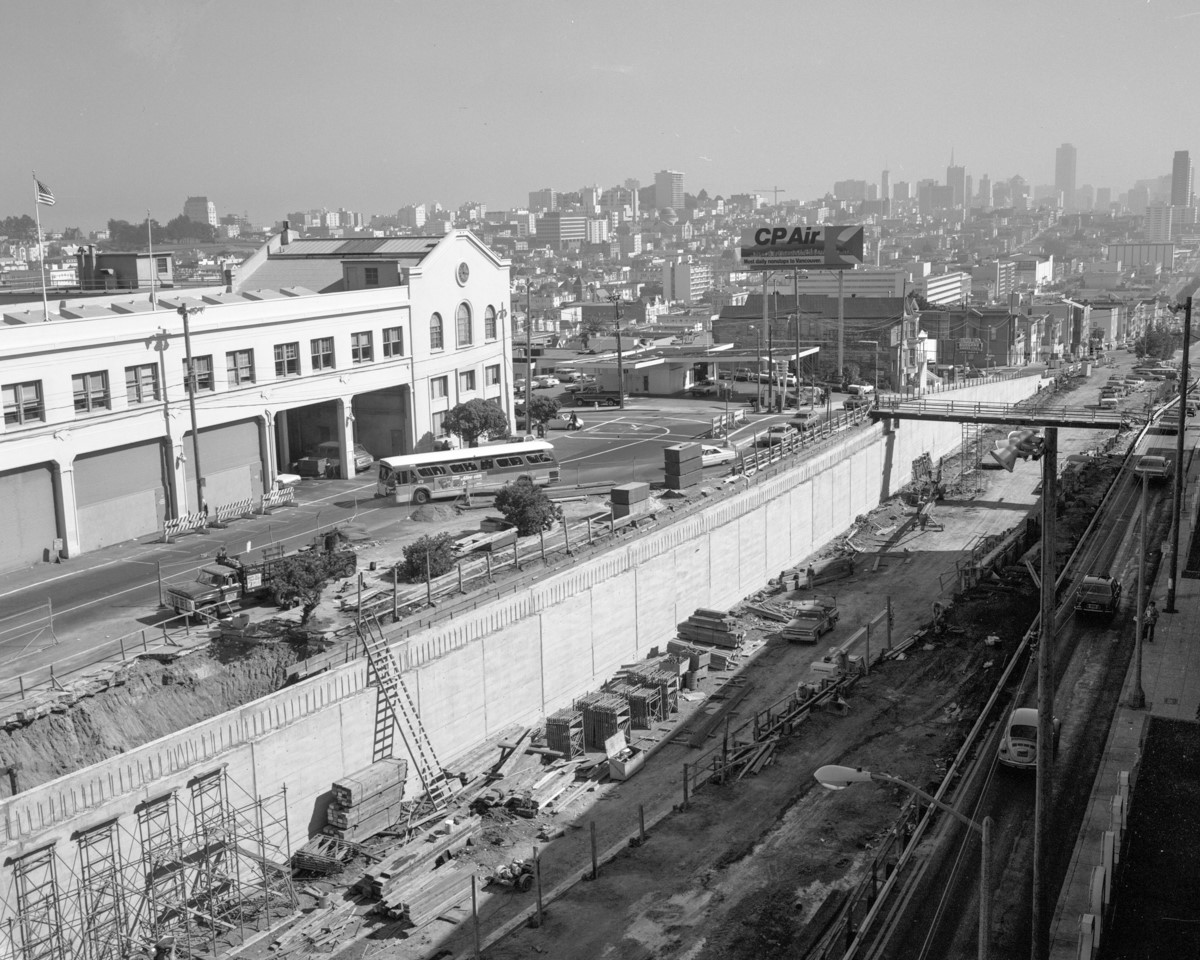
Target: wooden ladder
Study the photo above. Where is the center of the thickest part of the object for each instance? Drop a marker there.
(402, 713)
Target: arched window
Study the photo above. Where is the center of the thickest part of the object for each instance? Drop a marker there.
(436, 336)
(489, 323)
(463, 324)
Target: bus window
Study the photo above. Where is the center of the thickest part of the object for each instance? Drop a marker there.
(509, 462)
(433, 470)
(486, 463)
(466, 466)
(539, 457)
(385, 473)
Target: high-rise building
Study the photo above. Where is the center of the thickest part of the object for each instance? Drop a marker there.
(1064, 174)
(1158, 223)
(543, 200)
(1103, 199)
(902, 190)
(668, 190)
(1181, 179)
(200, 210)
(985, 192)
(885, 185)
(956, 180)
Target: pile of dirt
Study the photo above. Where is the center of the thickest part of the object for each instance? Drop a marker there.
(434, 513)
(146, 700)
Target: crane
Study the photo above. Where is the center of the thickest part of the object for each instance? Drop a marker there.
(774, 191)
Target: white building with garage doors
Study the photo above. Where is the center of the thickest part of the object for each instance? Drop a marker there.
(356, 341)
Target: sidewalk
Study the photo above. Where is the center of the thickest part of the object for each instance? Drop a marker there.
(1171, 683)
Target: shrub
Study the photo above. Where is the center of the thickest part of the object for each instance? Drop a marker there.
(439, 550)
(475, 419)
(526, 505)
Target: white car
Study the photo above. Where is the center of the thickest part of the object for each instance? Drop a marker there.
(1018, 747)
(544, 383)
(715, 456)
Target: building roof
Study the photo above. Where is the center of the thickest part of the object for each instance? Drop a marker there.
(854, 308)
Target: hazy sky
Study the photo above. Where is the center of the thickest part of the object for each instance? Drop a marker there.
(267, 106)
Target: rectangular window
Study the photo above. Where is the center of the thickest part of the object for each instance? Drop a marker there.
(491, 375)
(322, 353)
(202, 369)
(439, 419)
(240, 364)
(141, 383)
(362, 347)
(371, 276)
(23, 402)
(91, 391)
(393, 342)
(287, 359)
(160, 265)
(489, 324)
(466, 381)
(439, 387)
(463, 326)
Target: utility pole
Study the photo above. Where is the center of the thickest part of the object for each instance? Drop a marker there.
(1177, 503)
(528, 355)
(185, 311)
(615, 300)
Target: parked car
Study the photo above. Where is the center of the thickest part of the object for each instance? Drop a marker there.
(745, 375)
(776, 434)
(707, 388)
(805, 418)
(519, 385)
(858, 389)
(1098, 593)
(545, 382)
(856, 402)
(1019, 745)
(715, 456)
(330, 451)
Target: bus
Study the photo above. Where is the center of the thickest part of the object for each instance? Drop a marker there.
(449, 474)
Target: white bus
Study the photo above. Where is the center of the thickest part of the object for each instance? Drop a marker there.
(448, 474)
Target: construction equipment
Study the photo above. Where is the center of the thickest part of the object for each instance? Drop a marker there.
(518, 875)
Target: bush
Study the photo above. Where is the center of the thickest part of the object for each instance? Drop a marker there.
(475, 419)
(301, 579)
(542, 409)
(526, 505)
(440, 553)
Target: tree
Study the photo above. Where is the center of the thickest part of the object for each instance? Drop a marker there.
(301, 578)
(475, 419)
(1159, 341)
(436, 551)
(526, 505)
(542, 409)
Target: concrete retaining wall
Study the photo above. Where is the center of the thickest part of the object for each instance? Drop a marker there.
(513, 660)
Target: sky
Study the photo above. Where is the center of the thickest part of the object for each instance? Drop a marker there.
(266, 106)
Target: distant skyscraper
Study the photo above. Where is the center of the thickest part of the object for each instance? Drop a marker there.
(1139, 200)
(668, 190)
(885, 185)
(1064, 174)
(546, 200)
(1181, 179)
(902, 190)
(956, 180)
(1158, 223)
(200, 210)
(985, 192)
(1103, 199)
(633, 186)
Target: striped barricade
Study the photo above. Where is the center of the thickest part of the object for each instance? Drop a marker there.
(277, 498)
(239, 509)
(187, 523)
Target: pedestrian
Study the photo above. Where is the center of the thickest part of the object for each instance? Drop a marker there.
(1149, 619)
(810, 578)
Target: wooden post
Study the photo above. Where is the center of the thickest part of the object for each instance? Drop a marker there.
(395, 593)
(160, 587)
(428, 578)
(641, 824)
(890, 617)
(595, 865)
(537, 879)
(475, 914)
(358, 610)
(589, 520)
(514, 553)
(542, 543)
(867, 658)
(566, 534)
(460, 586)
(685, 786)
(488, 558)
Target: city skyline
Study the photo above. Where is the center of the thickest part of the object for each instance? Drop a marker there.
(271, 107)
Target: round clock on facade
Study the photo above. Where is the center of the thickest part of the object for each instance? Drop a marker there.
(464, 273)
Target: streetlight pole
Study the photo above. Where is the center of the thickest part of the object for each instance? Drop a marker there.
(1137, 695)
(837, 777)
(185, 311)
(528, 356)
(1177, 501)
(615, 300)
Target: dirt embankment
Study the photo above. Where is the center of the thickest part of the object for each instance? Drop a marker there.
(145, 701)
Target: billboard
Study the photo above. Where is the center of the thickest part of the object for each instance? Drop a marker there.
(780, 246)
(970, 345)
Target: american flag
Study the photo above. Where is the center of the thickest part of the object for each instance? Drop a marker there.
(43, 193)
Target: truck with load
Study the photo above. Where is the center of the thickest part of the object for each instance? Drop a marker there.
(593, 395)
(810, 619)
(230, 580)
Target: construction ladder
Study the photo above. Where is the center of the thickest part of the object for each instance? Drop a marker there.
(401, 713)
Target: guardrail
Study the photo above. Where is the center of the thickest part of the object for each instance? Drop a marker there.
(283, 497)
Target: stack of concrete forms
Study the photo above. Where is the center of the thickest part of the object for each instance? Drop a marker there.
(604, 714)
(667, 683)
(698, 659)
(631, 500)
(367, 801)
(564, 732)
(713, 627)
(645, 703)
(684, 467)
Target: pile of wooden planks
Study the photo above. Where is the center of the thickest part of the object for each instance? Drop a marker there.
(604, 714)
(367, 801)
(324, 854)
(410, 868)
(564, 732)
(698, 658)
(713, 627)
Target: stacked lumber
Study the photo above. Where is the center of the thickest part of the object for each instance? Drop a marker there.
(713, 627)
(604, 714)
(394, 878)
(324, 854)
(425, 903)
(771, 610)
(699, 658)
(631, 500)
(683, 466)
(367, 801)
(564, 732)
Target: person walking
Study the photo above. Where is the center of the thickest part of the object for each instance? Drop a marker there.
(1150, 618)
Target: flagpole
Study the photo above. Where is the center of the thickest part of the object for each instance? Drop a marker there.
(150, 242)
(37, 214)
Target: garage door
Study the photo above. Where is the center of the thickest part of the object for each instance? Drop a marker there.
(232, 464)
(27, 528)
(120, 494)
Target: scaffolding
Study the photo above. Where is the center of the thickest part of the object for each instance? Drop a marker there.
(196, 870)
(974, 447)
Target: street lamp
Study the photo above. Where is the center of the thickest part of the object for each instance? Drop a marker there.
(615, 300)
(837, 777)
(185, 311)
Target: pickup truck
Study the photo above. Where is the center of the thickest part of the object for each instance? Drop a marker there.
(810, 619)
(593, 396)
(219, 585)
(1152, 467)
